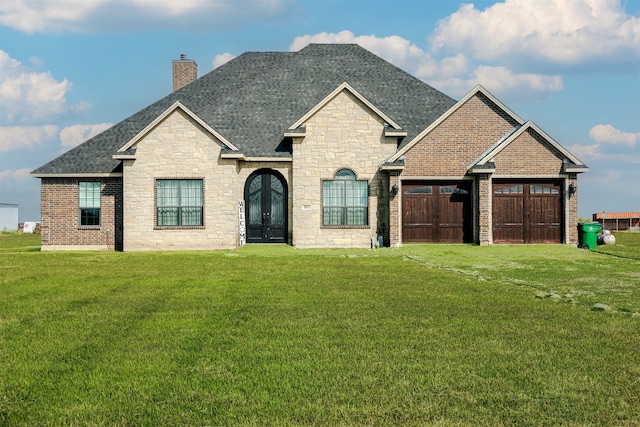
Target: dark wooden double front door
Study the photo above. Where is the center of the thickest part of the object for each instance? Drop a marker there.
(527, 212)
(265, 197)
(436, 212)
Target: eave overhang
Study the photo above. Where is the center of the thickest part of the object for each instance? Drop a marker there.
(397, 165)
(79, 175)
(484, 169)
(573, 168)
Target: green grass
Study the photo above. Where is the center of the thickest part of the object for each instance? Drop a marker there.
(272, 335)
(15, 241)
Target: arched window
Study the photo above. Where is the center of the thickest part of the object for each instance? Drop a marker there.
(345, 200)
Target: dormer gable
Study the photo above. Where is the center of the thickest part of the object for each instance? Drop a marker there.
(392, 129)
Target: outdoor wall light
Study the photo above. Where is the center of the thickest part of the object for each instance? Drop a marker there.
(394, 190)
(572, 189)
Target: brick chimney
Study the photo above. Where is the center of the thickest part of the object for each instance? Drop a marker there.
(185, 71)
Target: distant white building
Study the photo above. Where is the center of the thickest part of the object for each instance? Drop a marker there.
(8, 217)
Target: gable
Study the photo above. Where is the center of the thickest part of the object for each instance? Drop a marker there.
(448, 146)
(347, 97)
(345, 87)
(528, 154)
(528, 149)
(128, 150)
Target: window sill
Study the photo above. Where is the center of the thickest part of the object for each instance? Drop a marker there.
(342, 227)
(88, 227)
(179, 227)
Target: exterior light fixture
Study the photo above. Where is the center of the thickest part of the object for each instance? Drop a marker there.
(572, 189)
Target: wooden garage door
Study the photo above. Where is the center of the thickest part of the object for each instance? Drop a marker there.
(436, 212)
(527, 212)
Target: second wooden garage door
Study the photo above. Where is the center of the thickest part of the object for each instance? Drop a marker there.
(527, 212)
(436, 212)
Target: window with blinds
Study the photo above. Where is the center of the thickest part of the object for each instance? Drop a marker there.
(345, 200)
(89, 203)
(179, 202)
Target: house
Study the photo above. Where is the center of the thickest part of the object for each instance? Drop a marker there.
(618, 221)
(330, 146)
(8, 217)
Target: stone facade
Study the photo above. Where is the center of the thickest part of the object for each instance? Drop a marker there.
(344, 133)
(179, 148)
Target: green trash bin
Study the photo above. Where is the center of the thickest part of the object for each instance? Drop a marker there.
(588, 234)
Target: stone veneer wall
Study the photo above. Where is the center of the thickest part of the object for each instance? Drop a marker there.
(345, 133)
(179, 148)
(60, 223)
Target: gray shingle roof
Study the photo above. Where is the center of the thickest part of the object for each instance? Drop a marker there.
(253, 99)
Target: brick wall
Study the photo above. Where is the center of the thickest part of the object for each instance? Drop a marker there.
(529, 155)
(571, 211)
(184, 72)
(60, 212)
(395, 226)
(459, 140)
(483, 211)
(448, 150)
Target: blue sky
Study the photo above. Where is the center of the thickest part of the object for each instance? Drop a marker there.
(71, 68)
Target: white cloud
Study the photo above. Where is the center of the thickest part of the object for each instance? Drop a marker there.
(547, 32)
(17, 175)
(455, 75)
(77, 134)
(32, 16)
(33, 96)
(222, 59)
(596, 152)
(611, 135)
(26, 137)
(586, 152)
(499, 81)
(394, 49)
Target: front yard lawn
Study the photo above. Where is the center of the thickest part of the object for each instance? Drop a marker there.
(272, 335)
